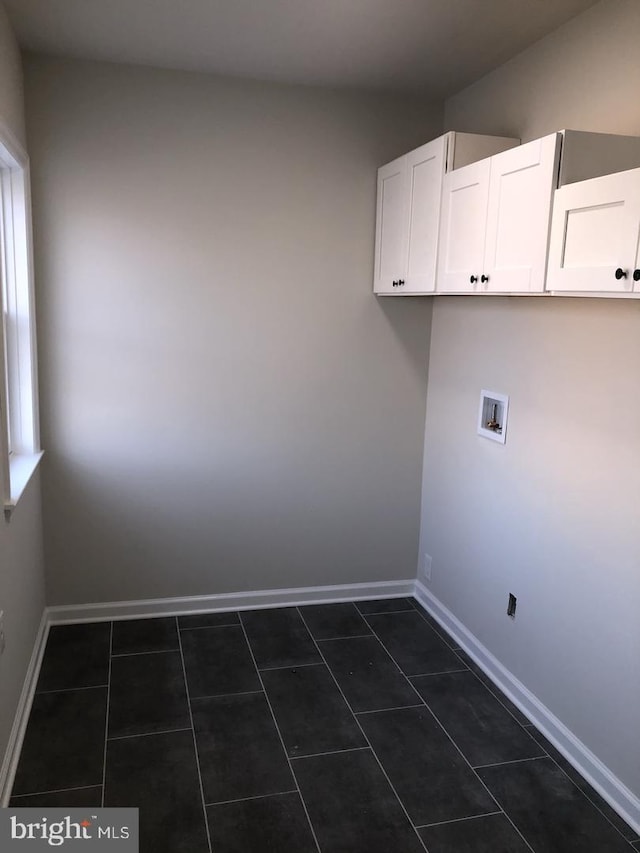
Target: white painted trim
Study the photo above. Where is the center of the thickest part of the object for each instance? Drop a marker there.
(148, 608)
(615, 792)
(16, 737)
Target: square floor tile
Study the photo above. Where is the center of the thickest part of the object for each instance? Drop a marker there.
(239, 749)
(311, 712)
(352, 807)
(76, 798)
(148, 694)
(218, 661)
(159, 775)
(490, 834)
(482, 728)
(334, 621)
(133, 636)
(368, 677)
(613, 817)
(552, 814)
(432, 779)
(279, 638)
(64, 741)
(277, 824)
(76, 656)
(414, 646)
(208, 620)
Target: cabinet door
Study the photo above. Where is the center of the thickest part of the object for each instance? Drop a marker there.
(462, 228)
(391, 226)
(594, 233)
(518, 217)
(425, 169)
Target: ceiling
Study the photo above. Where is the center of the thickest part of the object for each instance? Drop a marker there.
(434, 47)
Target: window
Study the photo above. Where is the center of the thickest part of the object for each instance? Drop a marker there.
(19, 438)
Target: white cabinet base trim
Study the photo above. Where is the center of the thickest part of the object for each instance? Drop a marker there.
(615, 792)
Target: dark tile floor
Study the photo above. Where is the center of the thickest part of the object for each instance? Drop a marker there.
(340, 728)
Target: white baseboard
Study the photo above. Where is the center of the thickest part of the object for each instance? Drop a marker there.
(615, 792)
(12, 753)
(148, 608)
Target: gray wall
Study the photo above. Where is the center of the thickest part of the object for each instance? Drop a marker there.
(225, 406)
(21, 570)
(553, 515)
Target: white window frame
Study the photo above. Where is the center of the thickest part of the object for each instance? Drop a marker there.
(19, 424)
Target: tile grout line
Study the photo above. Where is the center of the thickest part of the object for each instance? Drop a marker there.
(456, 746)
(193, 735)
(106, 720)
(383, 612)
(289, 666)
(458, 820)
(364, 734)
(329, 752)
(347, 637)
(275, 722)
(434, 674)
(248, 799)
(514, 761)
(147, 652)
(148, 734)
(208, 627)
(226, 695)
(70, 689)
(55, 791)
(383, 710)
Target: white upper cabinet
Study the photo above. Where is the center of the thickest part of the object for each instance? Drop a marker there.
(391, 226)
(495, 221)
(462, 228)
(595, 236)
(521, 190)
(425, 167)
(408, 210)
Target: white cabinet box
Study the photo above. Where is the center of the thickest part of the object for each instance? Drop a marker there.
(495, 221)
(408, 209)
(595, 236)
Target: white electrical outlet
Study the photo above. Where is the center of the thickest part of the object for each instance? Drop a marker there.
(425, 568)
(1, 631)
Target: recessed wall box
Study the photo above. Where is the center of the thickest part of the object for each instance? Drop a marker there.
(492, 416)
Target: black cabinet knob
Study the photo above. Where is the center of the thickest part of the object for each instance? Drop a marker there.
(395, 284)
(636, 275)
(620, 273)
(401, 282)
(484, 278)
(473, 279)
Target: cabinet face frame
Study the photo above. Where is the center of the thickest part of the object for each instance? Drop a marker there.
(613, 202)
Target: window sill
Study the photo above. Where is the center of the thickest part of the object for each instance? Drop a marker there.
(21, 469)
